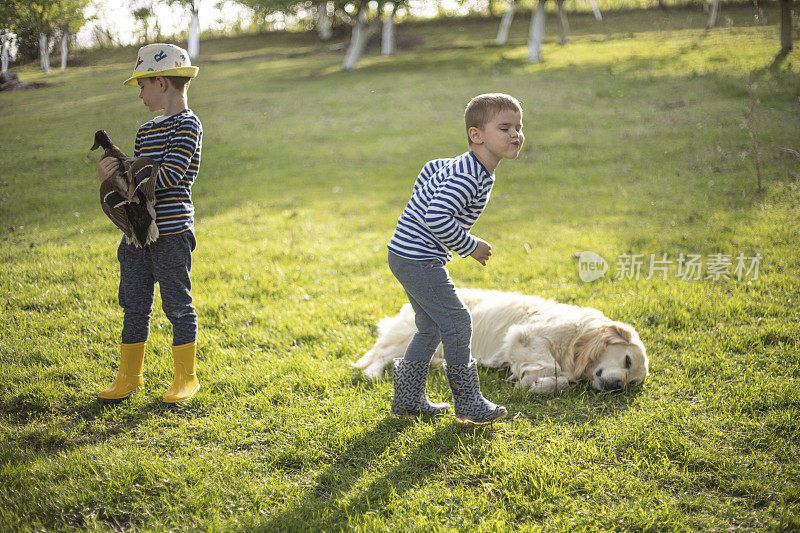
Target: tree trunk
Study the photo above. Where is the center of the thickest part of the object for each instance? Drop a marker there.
(712, 17)
(505, 22)
(786, 25)
(64, 37)
(595, 10)
(564, 23)
(358, 41)
(193, 46)
(536, 35)
(387, 33)
(323, 24)
(4, 53)
(44, 53)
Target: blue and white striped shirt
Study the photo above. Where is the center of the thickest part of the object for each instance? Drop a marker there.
(175, 142)
(448, 197)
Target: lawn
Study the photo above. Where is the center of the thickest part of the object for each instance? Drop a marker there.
(637, 142)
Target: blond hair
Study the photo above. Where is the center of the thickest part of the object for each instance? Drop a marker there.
(483, 107)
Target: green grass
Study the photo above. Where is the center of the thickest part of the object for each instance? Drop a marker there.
(634, 143)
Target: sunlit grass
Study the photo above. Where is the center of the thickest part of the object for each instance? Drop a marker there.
(634, 144)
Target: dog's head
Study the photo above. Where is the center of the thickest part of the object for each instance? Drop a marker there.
(613, 357)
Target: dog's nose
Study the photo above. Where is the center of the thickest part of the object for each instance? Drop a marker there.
(613, 385)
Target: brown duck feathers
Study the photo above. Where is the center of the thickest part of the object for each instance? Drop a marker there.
(128, 196)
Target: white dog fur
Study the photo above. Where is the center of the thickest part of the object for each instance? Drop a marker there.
(546, 345)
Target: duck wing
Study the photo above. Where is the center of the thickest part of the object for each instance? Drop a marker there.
(113, 204)
(142, 215)
(128, 199)
(144, 172)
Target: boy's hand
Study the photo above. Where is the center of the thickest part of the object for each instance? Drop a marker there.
(483, 252)
(106, 167)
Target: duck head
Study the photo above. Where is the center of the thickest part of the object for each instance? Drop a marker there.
(101, 139)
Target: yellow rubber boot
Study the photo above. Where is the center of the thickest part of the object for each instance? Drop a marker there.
(129, 375)
(184, 384)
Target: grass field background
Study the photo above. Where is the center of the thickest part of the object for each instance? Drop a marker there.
(636, 142)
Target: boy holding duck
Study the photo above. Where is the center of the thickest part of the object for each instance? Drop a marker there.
(174, 139)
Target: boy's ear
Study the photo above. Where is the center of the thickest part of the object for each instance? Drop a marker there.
(163, 84)
(474, 135)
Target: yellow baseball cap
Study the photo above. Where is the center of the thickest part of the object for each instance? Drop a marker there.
(161, 59)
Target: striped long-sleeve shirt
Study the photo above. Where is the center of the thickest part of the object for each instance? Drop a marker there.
(448, 197)
(175, 142)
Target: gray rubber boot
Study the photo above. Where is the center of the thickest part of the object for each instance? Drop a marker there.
(471, 407)
(410, 399)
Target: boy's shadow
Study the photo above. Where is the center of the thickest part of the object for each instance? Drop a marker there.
(41, 435)
(329, 504)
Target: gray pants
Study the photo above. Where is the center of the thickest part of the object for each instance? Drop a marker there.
(167, 261)
(441, 316)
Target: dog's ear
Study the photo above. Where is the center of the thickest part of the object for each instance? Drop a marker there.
(619, 332)
(587, 348)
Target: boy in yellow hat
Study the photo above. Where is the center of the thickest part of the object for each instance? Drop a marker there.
(174, 139)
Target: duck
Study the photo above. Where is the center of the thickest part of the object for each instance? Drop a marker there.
(128, 195)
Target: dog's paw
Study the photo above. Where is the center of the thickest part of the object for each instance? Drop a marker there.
(526, 381)
(550, 385)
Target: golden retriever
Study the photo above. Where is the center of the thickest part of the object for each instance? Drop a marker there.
(546, 345)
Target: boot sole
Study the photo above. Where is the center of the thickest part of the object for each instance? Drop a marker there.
(180, 402)
(470, 422)
(416, 414)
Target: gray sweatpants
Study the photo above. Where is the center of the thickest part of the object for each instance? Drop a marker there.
(167, 261)
(440, 315)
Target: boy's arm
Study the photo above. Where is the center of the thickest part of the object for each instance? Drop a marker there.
(447, 201)
(182, 147)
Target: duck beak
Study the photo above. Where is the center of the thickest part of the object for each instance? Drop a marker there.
(95, 146)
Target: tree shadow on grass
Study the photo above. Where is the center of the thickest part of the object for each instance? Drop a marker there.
(773, 68)
(780, 59)
(339, 495)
